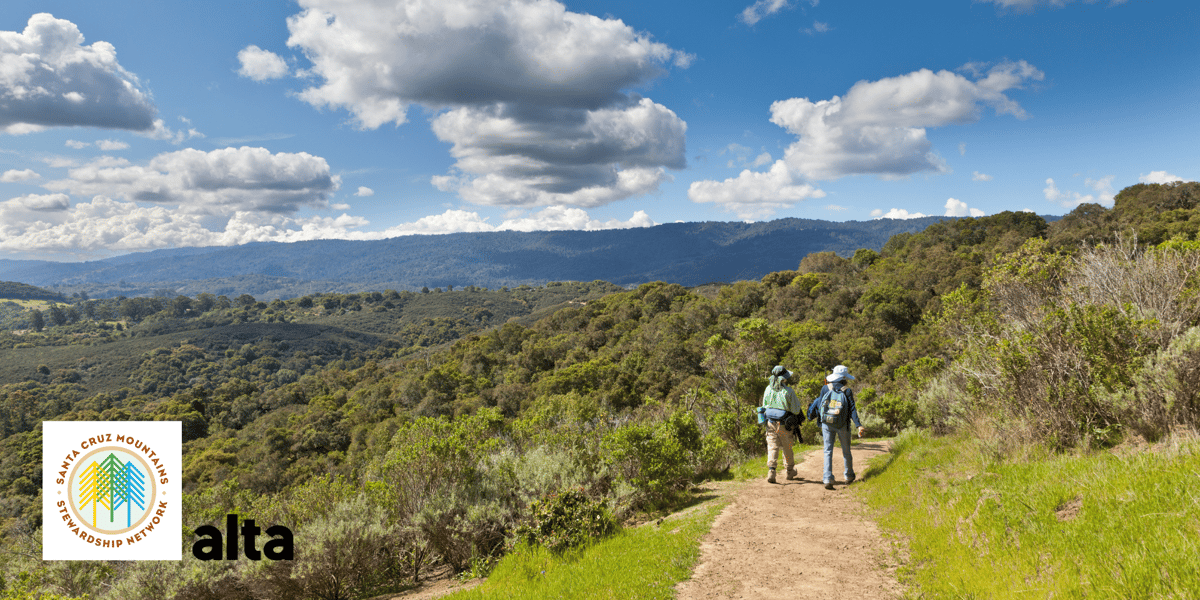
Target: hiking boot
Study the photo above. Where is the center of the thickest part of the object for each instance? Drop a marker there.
(771, 476)
(850, 480)
(792, 474)
(829, 485)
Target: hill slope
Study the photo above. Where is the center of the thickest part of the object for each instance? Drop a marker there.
(11, 290)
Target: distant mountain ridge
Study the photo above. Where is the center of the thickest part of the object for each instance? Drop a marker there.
(684, 253)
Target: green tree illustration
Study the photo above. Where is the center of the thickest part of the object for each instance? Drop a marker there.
(114, 480)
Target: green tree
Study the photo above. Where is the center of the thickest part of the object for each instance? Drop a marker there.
(58, 315)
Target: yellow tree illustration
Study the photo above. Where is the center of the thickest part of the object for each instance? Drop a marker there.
(93, 488)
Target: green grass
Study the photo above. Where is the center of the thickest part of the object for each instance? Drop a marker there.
(1122, 524)
(27, 304)
(641, 562)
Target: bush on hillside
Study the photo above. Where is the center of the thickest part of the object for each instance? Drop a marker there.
(566, 520)
(1072, 343)
(896, 412)
(656, 459)
(1166, 395)
(345, 554)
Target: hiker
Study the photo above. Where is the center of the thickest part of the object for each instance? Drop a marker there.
(834, 408)
(784, 412)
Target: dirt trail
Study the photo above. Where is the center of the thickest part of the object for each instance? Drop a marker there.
(795, 539)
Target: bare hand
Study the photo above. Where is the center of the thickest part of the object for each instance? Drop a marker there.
(860, 432)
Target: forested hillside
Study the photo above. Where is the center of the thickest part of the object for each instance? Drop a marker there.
(391, 456)
(684, 253)
(11, 290)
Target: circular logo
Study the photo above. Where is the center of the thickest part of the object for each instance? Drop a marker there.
(111, 490)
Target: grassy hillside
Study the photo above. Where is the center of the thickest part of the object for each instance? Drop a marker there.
(1113, 524)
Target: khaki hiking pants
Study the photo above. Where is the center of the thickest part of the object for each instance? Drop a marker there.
(778, 439)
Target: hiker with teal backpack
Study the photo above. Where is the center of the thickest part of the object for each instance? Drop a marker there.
(781, 413)
(834, 409)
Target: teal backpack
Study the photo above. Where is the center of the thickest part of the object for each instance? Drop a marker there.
(835, 412)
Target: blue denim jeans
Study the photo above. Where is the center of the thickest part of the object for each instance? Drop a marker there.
(843, 436)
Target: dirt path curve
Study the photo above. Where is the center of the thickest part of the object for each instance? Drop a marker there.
(795, 539)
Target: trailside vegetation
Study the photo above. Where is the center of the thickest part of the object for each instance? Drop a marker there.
(391, 450)
(1119, 523)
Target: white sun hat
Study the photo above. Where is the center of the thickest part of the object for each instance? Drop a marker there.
(840, 372)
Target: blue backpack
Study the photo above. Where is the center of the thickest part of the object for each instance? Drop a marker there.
(835, 410)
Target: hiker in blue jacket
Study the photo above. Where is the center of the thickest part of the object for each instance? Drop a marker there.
(779, 405)
(834, 408)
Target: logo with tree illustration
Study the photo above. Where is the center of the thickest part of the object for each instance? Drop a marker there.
(110, 490)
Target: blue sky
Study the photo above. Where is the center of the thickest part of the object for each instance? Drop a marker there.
(136, 125)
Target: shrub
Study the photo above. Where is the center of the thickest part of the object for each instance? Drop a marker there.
(875, 426)
(895, 411)
(566, 520)
(148, 580)
(462, 527)
(1166, 394)
(650, 458)
(345, 553)
(715, 455)
(541, 470)
(228, 586)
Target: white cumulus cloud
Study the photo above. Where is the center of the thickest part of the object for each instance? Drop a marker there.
(110, 145)
(1159, 177)
(558, 218)
(533, 97)
(217, 182)
(261, 65)
(364, 191)
(14, 176)
(896, 213)
(1102, 193)
(104, 226)
(977, 176)
(877, 128)
(754, 194)
(33, 203)
(958, 208)
(606, 155)
(551, 218)
(49, 78)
